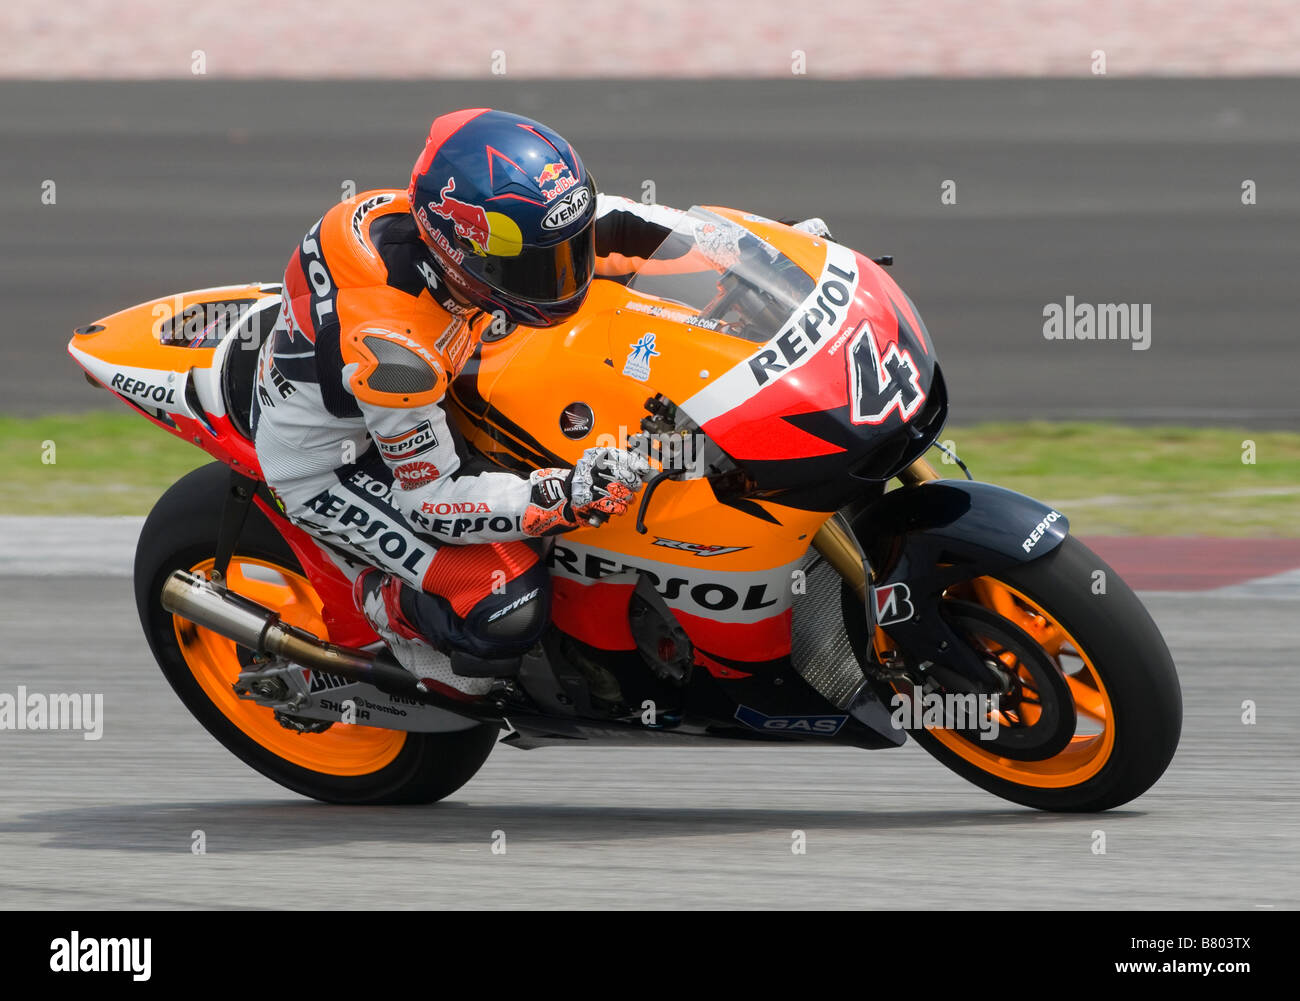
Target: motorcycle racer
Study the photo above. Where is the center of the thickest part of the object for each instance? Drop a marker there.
(385, 299)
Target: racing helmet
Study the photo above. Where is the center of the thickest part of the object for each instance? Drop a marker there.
(508, 212)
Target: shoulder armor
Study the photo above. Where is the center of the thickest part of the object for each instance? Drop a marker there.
(392, 369)
(345, 232)
(366, 206)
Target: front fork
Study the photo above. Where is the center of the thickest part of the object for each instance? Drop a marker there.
(838, 547)
(926, 638)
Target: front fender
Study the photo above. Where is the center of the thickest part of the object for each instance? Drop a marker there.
(979, 527)
(921, 540)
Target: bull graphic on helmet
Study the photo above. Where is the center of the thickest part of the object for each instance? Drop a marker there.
(487, 232)
(471, 221)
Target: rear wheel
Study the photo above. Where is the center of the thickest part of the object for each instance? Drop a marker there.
(1092, 712)
(342, 764)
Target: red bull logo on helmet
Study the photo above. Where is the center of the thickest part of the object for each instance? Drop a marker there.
(492, 233)
(470, 221)
(556, 174)
(436, 238)
(551, 172)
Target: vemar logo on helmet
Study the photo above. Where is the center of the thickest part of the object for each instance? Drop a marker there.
(396, 458)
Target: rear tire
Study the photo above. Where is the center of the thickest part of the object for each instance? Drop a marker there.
(179, 534)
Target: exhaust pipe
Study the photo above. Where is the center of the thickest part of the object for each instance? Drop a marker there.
(192, 596)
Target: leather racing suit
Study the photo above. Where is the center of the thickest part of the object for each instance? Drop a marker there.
(354, 440)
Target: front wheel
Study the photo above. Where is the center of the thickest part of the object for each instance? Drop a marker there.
(343, 764)
(1093, 710)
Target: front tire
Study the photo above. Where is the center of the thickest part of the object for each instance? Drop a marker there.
(1116, 666)
(344, 764)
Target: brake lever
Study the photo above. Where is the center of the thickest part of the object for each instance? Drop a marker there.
(651, 486)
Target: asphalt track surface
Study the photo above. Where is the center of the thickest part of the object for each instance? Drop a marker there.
(109, 823)
(1109, 190)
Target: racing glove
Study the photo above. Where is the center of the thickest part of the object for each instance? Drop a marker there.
(602, 484)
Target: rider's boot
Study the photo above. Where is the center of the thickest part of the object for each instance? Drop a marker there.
(378, 595)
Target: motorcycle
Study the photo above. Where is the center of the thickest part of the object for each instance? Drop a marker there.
(796, 572)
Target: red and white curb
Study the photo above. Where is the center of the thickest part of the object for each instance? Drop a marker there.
(1227, 567)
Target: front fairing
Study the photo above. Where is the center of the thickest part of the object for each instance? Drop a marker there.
(841, 387)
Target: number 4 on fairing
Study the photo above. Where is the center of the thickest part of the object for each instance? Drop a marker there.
(879, 385)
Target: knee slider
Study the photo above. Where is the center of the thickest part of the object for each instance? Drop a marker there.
(518, 617)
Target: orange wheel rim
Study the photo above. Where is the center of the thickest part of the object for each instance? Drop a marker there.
(214, 663)
(1088, 751)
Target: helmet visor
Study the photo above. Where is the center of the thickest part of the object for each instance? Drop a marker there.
(541, 274)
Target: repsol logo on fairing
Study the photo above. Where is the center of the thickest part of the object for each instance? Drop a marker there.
(355, 522)
(708, 595)
(814, 323)
(143, 390)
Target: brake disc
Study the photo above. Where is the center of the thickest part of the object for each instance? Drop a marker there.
(1045, 688)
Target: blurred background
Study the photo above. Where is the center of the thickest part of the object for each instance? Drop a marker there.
(1009, 154)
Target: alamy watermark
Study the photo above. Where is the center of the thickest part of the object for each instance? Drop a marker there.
(1103, 321)
(76, 954)
(26, 710)
(672, 450)
(946, 711)
(208, 322)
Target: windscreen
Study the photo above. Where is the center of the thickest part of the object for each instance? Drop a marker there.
(724, 277)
